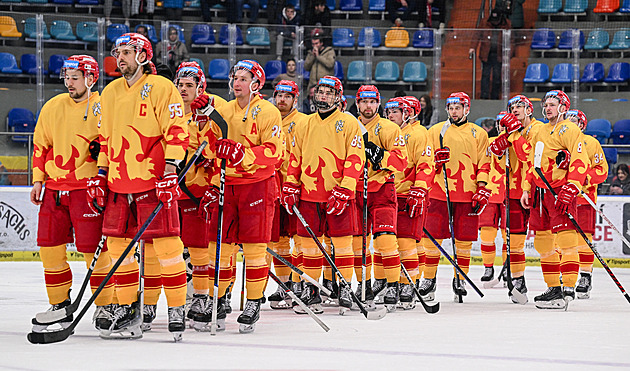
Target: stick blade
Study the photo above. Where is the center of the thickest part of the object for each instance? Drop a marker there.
(377, 314)
(540, 147)
(492, 283)
(49, 337)
(53, 316)
(519, 297)
(431, 309)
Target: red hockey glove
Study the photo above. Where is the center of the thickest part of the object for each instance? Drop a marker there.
(566, 197)
(563, 158)
(208, 201)
(510, 123)
(204, 163)
(499, 145)
(442, 156)
(230, 150)
(416, 201)
(168, 190)
(97, 193)
(338, 200)
(480, 199)
(290, 196)
(201, 107)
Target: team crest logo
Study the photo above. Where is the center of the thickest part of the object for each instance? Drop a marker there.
(255, 112)
(407, 138)
(563, 128)
(474, 132)
(377, 129)
(291, 125)
(146, 89)
(339, 126)
(96, 109)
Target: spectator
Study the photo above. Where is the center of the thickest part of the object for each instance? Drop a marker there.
(320, 61)
(620, 184)
(289, 75)
(392, 6)
(426, 115)
(173, 9)
(235, 10)
(490, 126)
(205, 9)
(126, 10)
(142, 9)
(4, 175)
(175, 49)
(489, 41)
(290, 20)
(400, 93)
(518, 16)
(142, 30)
(426, 17)
(308, 106)
(319, 17)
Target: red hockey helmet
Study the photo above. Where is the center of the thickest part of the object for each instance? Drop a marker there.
(287, 86)
(401, 103)
(343, 103)
(500, 115)
(414, 103)
(459, 98)
(520, 100)
(138, 42)
(83, 63)
(368, 91)
(191, 70)
(253, 67)
(578, 117)
(331, 82)
(562, 98)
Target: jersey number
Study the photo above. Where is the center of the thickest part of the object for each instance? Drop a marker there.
(275, 131)
(400, 140)
(427, 151)
(356, 141)
(176, 110)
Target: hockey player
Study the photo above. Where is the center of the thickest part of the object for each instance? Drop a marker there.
(66, 150)
(412, 186)
(286, 94)
(464, 152)
(253, 149)
(586, 215)
(566, 175)
(326, 161)
(143, 138)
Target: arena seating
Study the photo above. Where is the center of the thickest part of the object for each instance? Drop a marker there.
(621, 134)
(8, 64)
(8, 27)
(376, 37)
(224, 35)
(62, 30)
(20, 120)
(597, 39)
(562, 73)
(387, 71)
(115, 30)
(356, 71)
(423, 38)
(606, 6)
(219, 69)
(593, 72)
(536, 73)
(414, 71)
(621, 40)
(600, 129)
(618, 73)
(110, 67)
(575, 6)
(87, 31)
(153, 36)
(30, 29)
(544, 38)
(202, 34)
(257, 36)
(343, 38)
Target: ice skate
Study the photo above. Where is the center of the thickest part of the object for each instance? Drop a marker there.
(427, 289)
(202, 321)
(568, 293)
(459, 289)
(407, 297)
(280, 299)
(345, 300)
(227, 302)
(196, 306)
(249, 317)
(148, 315)
(379, 290)
(102, 318)
(519, 285)
(126, 323)
(369, 296)
(176, 322)
(58, 325)
(551, 299)
(311, 298)
(390, 299)
(583, 289)
(488, 274)
(331, 300)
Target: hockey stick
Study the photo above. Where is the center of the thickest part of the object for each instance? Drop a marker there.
(428, 308)
(453, 262)
(57, 336)
(490, 284)
(297, 270)
(369, 315)
(298, 301)
(603, 216)
(448, 206)
(540, 146)
(516, 295)
(365, 134)
(141, 281)
(53, 316)
(243, 285)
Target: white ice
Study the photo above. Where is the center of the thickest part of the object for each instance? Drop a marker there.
(483, 333)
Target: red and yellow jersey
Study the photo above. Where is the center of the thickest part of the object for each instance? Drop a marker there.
(288, 126)
(597, 170)
(496, 177)
(519, 157)
(469, 161)
(563, 135)
(61, 156)
(326, 153)
(260, 134)
(419, 170)
(141, 126)
(388, 136)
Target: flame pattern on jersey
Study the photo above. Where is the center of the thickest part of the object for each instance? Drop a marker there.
(597, 170)
(140, 128)
(469, 161)
(563, 135)
(61, 156)
(261, 136)
(419, 170)
(519, 157)
(496, 176)
(324, 156)
(288, 127)
(387, 135)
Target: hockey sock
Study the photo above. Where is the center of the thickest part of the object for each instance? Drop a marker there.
(283, 248)
(432, 258)
(586, 255)
(256, 269)
(101, 269)
(152, 275)
(200, 260)
(312, 257)
(422, 258)
(463, 255)
(488, 249)
(57, 273)
(233, 261)
(225, 266)
(379, 272)
(504, 247)
(344, 257)
(409, 257)
(569, 262)
(357, 247)
(544, 243)
(297, 257)
(169, 251)
(387, 245)
(517, 254)
(126, 276)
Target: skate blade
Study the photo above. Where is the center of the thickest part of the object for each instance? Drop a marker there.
(458, 298)
(178, 336)
(127, 333)
(328, 302)
(145, 327)
(343, 310)
(428, 297)
(407, 305)
(517, 297)
(207, 326)
(553, 304)
(583, 295)
(246, 329)
(285, 304)
(315, 308)
(377, 314)
(390, 308)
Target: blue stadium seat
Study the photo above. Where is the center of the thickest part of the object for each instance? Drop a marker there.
(343, 38)
(356, 71)
(599, 129)
(618, 72)
(151, 31)
(273, 68)
(115, 30)
(224, 37)
(87, 31)
(257, 36)
(30, 29)
(621, 40)
(549, 6)
(87, 2)
(625, 7)
(593, 72)
(219, 69)
(562, 73)
(55, 62)
(68, 2)
(331, 4)
(8, 64)
(202, 34)
(414, 71)
(62, 30)
(621, 134)
(376, 37)
(339, 70)
(544, 38)
(423, 38)
(350, 5)
(575, 6)
(566, 40)
(28, 64)
(200, 62)
(376, 6)
(20, 120)
(536, 73)
(37, 1)
(612, 158)
(597, 39)
(387, 71)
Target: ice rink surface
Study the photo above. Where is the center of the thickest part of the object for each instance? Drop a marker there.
(481, 334)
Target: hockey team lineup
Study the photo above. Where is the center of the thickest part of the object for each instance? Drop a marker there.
(164, 184)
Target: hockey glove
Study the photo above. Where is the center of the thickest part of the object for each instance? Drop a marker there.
(95, 148)
(208, 201)
(168, 190)
(416, 201)
(374, 154)
(97, 192)
(563, 158)
(204, 163)
(566, 197)
(338, 200)
(480, 199)
(201, 107)
(290, 196)
(499, 145)
(442, 156)
(510, 123)
(230, 150)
